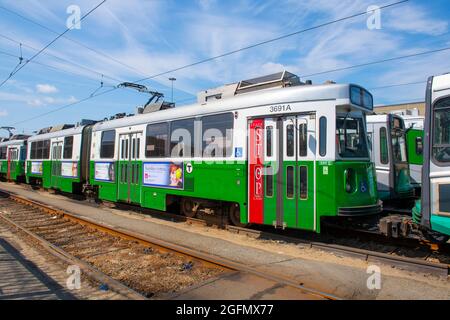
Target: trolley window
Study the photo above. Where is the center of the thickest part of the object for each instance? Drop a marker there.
(322, 136)
(384, 159)
(441, 131)
(303, 139)
(39, 146)
(419, 146)
(351, 137)
(303, 182)
(290, 140)
(46, 149)
(217, 133)
(157, 140)
(182, 138)
(290, 182)
(33, 150)
(3, 153)
(361, 97)
(269, 137)
(269, 182)
(68, 147)
(138, 148)
(40, 149)
(107, 144)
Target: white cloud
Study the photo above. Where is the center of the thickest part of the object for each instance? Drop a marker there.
(46, 88)
(206, 4)
(136, 33)
(44, 101)
(35, 102)
(3, 113)
(414, 19)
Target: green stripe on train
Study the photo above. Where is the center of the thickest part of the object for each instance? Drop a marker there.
(17, 169)
(228, 182)
(49, 181)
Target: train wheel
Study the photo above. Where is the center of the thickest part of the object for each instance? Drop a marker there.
(235, 216)
(187, 208)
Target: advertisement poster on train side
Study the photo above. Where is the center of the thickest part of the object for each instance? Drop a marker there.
(104, 171)
(36, 167)
(69, 169)
(163, 174)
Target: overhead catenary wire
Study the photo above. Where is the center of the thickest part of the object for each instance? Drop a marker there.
(377, 62)
(80, 44)
(98, 73)
(269, 41)
(238, 50)
(397, 85)
(50, 43)
(90, 70)
(65, 106)
(105, 55)
(50, 66)
(108, 91)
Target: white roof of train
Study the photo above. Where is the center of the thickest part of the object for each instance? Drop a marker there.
(415, 122)
(376, 118)
(441, 82)
(57, 134)
(12, 142)
(300, 93)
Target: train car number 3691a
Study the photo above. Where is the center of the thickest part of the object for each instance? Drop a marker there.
(280, 108)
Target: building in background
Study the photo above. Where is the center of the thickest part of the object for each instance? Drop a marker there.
(406, 109)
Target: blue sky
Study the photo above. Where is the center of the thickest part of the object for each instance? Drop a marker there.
(153, 36)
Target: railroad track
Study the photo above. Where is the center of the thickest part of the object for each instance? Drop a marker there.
(111, 255)
(381, 248)
(398, 255)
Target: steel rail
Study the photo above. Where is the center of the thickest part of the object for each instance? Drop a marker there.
(206, 258)
(414, 264)
(417, 265)
(88, 269)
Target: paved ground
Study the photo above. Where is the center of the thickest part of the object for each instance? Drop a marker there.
(29, 273)
(19, 279)
(341, 276)
(235, 286)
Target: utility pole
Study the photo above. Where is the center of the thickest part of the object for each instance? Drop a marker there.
(172, 79)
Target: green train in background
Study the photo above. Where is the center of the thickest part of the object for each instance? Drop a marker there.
(12, 158)
(270, 150)
(54, 158)
(388, 144)
(414, 144)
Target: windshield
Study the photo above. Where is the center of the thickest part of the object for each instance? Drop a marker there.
(441, 128)
(350, 137)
